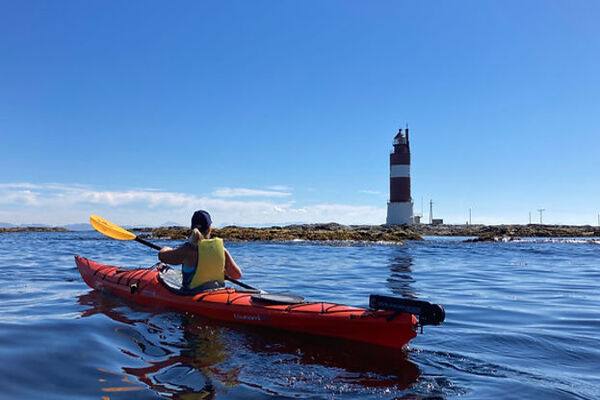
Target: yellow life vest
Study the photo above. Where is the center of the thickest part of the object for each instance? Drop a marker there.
(211, 262)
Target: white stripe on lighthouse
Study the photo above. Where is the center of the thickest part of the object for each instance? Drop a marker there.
(399, 171)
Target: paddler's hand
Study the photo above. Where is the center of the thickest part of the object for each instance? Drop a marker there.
(172, 256)
(162, 251)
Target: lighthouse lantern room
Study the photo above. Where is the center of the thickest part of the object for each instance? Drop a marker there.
(400, 206)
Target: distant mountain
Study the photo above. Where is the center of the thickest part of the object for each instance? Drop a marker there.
(264, 225)
(70, 227)
(171, 223)
(79, 227)
(88, 227)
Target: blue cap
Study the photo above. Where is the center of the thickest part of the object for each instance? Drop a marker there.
(201, 220)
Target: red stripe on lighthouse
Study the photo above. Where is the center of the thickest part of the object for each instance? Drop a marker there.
(400, 158)
(400, 189)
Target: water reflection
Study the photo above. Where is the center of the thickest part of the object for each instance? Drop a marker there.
(189, 357)
(401, 280)
(188, 374)
(179, 360)
(368, 366)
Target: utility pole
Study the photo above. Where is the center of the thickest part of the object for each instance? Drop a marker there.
(529, 217)
(430, 212)
(541, 211)
(470, 217)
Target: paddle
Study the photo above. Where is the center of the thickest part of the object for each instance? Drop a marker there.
(114, 231)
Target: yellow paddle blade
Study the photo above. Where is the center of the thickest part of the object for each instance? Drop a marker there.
(109, 229)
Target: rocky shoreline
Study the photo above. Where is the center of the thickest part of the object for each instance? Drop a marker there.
(514, 232)
(380, 233)
(309, 232)
(17, 229)
(504, 232)
(360, 233)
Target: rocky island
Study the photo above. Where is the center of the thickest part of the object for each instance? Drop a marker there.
(16, 229)
(378, 233)
(310, 232)
(489, 233)
(333, 232)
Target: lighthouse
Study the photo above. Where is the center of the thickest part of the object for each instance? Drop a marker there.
(400, 206)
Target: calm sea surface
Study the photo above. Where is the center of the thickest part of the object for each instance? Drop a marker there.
(523, 322)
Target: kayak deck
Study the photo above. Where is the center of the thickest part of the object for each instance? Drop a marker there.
(143, 286)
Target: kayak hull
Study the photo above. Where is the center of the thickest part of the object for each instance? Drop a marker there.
(142, 286)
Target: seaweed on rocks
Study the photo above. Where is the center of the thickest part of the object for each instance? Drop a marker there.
(309, 232)
(380, 233)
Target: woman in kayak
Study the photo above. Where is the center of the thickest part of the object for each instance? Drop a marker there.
(204, 261)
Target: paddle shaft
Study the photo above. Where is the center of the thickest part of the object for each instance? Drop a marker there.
(147, 243)
(156, 247)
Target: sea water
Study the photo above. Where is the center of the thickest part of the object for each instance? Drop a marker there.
(522, 321)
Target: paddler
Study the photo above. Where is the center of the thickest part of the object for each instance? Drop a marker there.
(204, 261)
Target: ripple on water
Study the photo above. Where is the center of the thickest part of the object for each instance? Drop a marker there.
(522, 322)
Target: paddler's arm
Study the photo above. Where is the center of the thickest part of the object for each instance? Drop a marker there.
(231, 268)
(172, 256)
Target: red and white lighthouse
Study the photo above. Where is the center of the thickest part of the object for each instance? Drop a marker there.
(400, 206)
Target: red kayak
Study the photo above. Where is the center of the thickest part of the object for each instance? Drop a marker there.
(390, 322)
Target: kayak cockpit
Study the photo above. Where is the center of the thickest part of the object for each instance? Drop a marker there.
(172, 280)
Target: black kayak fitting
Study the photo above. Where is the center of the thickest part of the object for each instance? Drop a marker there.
(428, 313)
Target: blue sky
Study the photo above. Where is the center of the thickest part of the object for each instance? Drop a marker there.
(284, 111)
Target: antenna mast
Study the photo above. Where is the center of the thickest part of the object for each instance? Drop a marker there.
(541, 211)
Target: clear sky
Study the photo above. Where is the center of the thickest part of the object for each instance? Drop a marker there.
(284, 111)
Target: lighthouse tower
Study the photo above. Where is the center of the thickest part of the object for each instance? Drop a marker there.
(400, 206)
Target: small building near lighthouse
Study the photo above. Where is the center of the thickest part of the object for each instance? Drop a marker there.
(400, 206)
